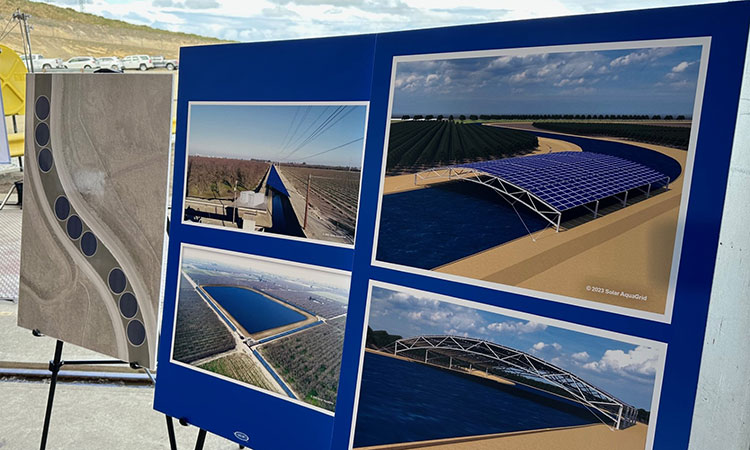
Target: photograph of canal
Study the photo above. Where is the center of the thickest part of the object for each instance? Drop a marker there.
(439, 371)
(289, 169)
(272, 325)
(561, 172)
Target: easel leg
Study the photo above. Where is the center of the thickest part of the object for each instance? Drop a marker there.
(201, 439)
(54, 367)
(170, 431)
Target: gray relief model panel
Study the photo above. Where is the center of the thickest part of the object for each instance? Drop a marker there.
(97, 150)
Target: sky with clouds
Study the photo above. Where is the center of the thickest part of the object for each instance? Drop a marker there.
(308, 275)
(263, 20)
(625, 370)
(657, 80)
(331, 135)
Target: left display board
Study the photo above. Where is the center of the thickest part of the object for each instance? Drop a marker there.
(94, 214)
(259, 265)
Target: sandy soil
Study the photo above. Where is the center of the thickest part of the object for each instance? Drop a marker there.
(585, 437)
(404, 183)
(628, 251)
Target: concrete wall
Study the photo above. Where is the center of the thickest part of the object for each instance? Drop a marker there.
(722, 407)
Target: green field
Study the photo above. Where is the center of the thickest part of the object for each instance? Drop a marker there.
(417, 145)
(670, 136)
(309, 361)
(240, 366)
(199, 332)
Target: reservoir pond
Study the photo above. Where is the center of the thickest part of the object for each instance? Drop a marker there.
(254, 311)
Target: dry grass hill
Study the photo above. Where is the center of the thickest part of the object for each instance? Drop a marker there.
(64, 33)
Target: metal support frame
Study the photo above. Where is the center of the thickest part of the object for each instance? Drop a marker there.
(501, 360)
(57, 363)
(518, 194)
(499, 185)
(7, 196)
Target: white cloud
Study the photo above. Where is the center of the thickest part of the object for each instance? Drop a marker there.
(260, 20)
(640, 56)
(641, 361)
(681, 67)
(628, 59)
(519, 77)
(548, 69)
(581, 356)
(539, 346)
(569, 82)
(516, 327)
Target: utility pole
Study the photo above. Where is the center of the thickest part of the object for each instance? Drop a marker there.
(23, 24)
(307, 200)
(235, 202)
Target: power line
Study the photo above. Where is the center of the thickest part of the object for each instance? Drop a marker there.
(327, 127)
(313, 122)
(299, 124)
(317, 130)
(283, 142)
(5, 33)
(332, 149)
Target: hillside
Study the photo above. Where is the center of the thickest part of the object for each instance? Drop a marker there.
(64, 33)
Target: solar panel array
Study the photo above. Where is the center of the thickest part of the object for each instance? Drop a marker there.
(566, 180)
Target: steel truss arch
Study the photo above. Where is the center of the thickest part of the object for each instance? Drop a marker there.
(463, 353)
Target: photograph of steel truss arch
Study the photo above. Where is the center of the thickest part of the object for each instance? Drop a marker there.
(560, 173)
(453, 371)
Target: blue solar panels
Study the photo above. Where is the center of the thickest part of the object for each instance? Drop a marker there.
(566, 180)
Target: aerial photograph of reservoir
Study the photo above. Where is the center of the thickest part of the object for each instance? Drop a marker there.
(445, 373)
(560, 173)
(276, 326)
(290, 169)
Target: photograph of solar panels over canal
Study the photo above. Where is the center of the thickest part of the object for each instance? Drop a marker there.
(560, 172)
(275, 326)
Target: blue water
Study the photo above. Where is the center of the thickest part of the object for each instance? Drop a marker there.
(252, 310)
(218, 311)
(274, 181)
(404, 401)
(284, 220)
(427, 228)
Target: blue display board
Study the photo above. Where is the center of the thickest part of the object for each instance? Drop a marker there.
(498, 234)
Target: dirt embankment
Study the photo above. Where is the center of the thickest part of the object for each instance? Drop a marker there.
(64, 33)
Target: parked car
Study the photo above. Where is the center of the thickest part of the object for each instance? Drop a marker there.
(81, 62)
(172, 64)
(111, 62)
(140, 62)
(39, 62)
(161, 62)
